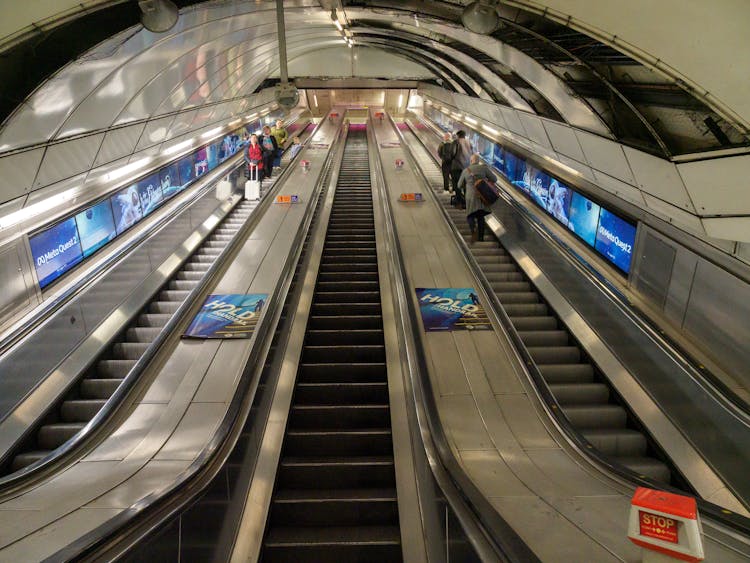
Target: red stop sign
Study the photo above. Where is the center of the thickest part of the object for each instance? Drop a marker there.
(658, 527)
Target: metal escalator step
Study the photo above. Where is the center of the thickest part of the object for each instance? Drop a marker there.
(596, 416)
(534, 323)
(335, 309)
(346, 322)
(511, 287)
(142, 333)
(114, 369)
(344, 354)
(517, 297)
(336, 473)
(129, 350)
(353, 258)
(99, 388)
(337, 507)
(52, 436)
(555, 354)
(339, 443)
(618, 442)
(344, 276)
(567, 373)
(544, 337)
(342, 393)
(349, 267)
(196, 266)
(27, 458)
(343, 336)
(497, 266)
(327, 372)
(153, 319)
(190, 276)
(580, 393)
(173, 295)
(503, 276)
(202, 259)
(348, 286)
(182, 285)
(341, 417)
(80, 410)
(163, 306)
(525, 309)
(322, 296)
(648, 466)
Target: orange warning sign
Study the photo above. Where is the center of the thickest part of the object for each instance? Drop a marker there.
(412, 196)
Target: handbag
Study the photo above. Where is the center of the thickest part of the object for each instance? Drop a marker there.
(486, 192)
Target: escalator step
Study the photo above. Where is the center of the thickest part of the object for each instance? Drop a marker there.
(555, 354)
(517, 297)
(343, 336)
(129, 350)
(337, 507)
(339, 442)
(80, 410)
(52, 436)
(648, 466)
(567, 373)
(142, 333)
(544, 337)
(339, 417)
(534, 323)
(346, 322)
(344, 354)
(99, 388)
(27, 458)
(336, 473)
(346, 297)
(580, 393)
(596, 416)
(620, 442)
(115, 369)
(154, 319)
(326, 372)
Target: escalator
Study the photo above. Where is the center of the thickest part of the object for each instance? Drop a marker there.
(98, 384)
(335, 495)
(583, 392)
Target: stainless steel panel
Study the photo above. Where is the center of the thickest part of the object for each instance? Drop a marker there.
(682, 219)
(118, 143)
(24, 366)
(605, 155)
(535, 131)
(155, 132)
(512, 121)
(683, 271)
(620, 189)
(718, 186)
(17, 173)
(718, 314)
(659, 178)
(655, 261)
(68, 158)
(15, 293)
(564, 140)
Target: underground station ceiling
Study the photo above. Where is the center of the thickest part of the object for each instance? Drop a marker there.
(523, 58)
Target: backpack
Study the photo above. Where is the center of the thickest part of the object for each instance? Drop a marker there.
(448, 151)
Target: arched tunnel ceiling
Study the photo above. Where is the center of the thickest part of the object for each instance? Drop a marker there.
(589, 72)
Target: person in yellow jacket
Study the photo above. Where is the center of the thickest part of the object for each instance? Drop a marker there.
(280, 133)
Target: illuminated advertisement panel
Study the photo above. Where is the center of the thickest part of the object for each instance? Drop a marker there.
(55, 251)
(169, 178)
(127, 209)
(96, 227)
(558, 201)
(149, 191)
(186, 168)
(584, 217)
(615, 239)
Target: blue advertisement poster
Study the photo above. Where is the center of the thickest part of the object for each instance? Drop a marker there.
(558, 201)
(169, 177)
(201, 162)
(485, 149)
(227, 316)
(127, 209)
(212, 152)
(510, 167)
(584, 217)
(187, 172)
(149, 190)
(449, 308)
(55, 251)
(539, 188)
(96, 227)
(498, 158)
(615, 239)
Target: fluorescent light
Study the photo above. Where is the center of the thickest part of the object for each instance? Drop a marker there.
(563, 166)
(458, 116)
(471, 120)
(252, 115)
(428, 102)
(178, 147)
(37, 208)
(400, 99)
(445, 111)
(315, 99)
(490, 129)
(211, 132)
(350, 46)
(235, 122)
(127, 169)
(337, 23)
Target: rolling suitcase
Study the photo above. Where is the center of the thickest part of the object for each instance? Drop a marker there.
(252, 186)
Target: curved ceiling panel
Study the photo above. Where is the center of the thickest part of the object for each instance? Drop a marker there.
(572, 109)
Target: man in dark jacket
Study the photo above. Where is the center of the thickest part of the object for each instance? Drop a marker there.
(269, 146)
(460, 163)
(447, 152)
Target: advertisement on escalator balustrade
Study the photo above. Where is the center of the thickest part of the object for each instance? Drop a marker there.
(450, 308)
(227, 316)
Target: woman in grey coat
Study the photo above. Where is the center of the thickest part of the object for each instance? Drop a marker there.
(475, 207)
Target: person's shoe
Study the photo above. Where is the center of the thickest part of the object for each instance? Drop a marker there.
(473, 236)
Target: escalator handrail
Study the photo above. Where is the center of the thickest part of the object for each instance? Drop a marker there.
(156, 507)
(10, 482)
(490, 535)
(552, 408)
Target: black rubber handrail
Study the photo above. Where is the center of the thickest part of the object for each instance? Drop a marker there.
(488, 532)
(722, 515)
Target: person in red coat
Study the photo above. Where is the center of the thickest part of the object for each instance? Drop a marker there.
(254, 156)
